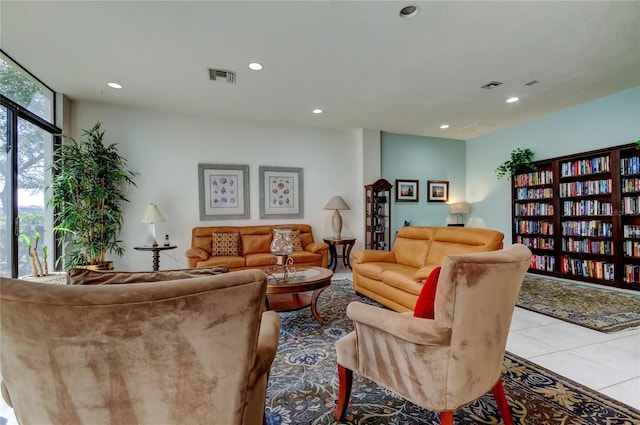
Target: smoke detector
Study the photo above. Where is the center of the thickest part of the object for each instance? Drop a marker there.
(222, 75)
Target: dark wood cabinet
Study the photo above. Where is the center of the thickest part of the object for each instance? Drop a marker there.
(580, 216)
(377, 215)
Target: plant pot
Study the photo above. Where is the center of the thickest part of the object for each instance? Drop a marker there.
(107, 265)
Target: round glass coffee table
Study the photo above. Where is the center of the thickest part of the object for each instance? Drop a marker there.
(299, 291)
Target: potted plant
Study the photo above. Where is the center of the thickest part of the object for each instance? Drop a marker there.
(520, 160)
(87, 192)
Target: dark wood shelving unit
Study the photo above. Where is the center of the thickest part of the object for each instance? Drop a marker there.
(377, 215)
(580, 216)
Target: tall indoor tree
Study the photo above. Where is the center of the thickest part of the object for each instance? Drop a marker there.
(87, 193)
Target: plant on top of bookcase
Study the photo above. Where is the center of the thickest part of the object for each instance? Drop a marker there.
(521, 159)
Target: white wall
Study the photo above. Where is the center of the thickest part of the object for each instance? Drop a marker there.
(609, 121)
(166, 150)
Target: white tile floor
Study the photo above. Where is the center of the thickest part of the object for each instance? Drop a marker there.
(608, 363)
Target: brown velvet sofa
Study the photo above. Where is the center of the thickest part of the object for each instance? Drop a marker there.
(195, 350)
(253, 247)
(395, 278)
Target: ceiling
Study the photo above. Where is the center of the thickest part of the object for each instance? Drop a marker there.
(357, 60)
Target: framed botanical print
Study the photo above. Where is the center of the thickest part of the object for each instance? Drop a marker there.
(437, 191)
(224, 191)
(281, 192)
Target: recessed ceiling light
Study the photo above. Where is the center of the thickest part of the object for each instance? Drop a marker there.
(317, 111)
(444, 126)
(115, 85)
(409, 12)
(255, 66)
(513, 99)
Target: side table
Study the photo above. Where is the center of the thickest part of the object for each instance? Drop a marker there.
(156, 253)
(347, 245)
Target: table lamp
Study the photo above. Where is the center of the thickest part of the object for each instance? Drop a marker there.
(459, 209)
(152, 215)
(336, 203)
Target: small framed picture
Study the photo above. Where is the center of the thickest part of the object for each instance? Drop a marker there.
(437, 191)
(406, 190)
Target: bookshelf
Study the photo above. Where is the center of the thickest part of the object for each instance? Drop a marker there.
(378, 215)
(580, 216)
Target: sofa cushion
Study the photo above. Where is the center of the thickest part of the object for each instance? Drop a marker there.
(411, 252)
(80, 276)
(462, 240)
(233, 262)
(300, 257)
(225, 244)
(296, 242)
(256, 243)
(402, 278)
(374, 270)
(425, 304)
(260, 259)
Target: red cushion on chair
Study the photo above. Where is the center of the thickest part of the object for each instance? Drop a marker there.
(424, 306)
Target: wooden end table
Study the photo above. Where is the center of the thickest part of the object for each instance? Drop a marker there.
(293, 293)
(347, 245)
(156, 253)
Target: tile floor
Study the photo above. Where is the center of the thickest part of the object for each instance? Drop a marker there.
(608, 363)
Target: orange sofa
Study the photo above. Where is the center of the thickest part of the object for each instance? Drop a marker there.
(395, 278)
(253, 249)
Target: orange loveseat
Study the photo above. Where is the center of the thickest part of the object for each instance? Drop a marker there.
(253, 250)
(395, 278)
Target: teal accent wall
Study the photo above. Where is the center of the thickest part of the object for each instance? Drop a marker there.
(470, 165)
(408, 157)
(608, 121)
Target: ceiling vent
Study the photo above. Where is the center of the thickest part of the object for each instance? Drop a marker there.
(478, 127)
(222, 75)
(492, 85)
(531, 83)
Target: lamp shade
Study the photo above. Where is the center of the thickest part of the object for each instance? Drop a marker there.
(152, 214)
(459, 208)
(337, 203)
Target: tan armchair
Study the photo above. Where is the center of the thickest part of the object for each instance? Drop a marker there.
(188, 351)
(452, 360)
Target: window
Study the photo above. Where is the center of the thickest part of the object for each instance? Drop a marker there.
(25, 90)
(27, 140)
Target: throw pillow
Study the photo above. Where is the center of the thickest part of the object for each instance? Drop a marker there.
(78, 276)
(295, 240)
(424, 305)
(225, 244)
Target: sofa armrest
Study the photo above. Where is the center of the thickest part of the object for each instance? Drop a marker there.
(372, 255)
(267, 346)
(414, 330)
(316, 247)
(423, 273)
(198, 253)
(194, 255)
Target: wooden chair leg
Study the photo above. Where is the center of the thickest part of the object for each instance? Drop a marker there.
(446, 418)
(501, 401)
(345, 379)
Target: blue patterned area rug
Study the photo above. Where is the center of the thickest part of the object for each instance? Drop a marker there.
(303, 383)
(601, 309)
